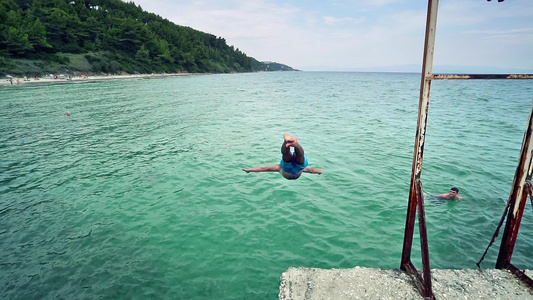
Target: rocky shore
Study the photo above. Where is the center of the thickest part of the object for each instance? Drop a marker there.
(370, 283)
(20, 81)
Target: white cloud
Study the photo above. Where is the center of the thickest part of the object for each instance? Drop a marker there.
(379, 3)
(341, 34)
(333, 21)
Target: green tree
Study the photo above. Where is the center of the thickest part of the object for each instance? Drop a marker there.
(163, 51)
(64, 30)
(16, 42)
(13, 18)
(24, 4)
(143, 54)
(5, 7)
(37, 36)
(119, 33)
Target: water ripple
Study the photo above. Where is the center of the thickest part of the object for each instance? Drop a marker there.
(139, 192)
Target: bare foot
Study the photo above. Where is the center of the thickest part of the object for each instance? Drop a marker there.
(290, 141)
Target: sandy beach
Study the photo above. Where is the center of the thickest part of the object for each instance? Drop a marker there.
(19, 81)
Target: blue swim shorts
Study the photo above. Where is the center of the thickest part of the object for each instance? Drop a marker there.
(293, 167)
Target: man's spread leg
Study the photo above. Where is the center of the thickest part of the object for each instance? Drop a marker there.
(286, 149)
(300, 158)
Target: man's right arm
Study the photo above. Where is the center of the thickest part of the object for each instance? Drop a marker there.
(274, 168)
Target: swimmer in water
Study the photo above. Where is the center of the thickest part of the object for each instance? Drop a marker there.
(452, 195)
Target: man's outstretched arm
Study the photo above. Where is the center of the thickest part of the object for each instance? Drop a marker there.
(274, 168)
(313, 171)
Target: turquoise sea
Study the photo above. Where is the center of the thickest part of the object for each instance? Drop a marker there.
(139, 193)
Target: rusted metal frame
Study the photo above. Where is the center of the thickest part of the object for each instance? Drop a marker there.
(481, 76)
(511, 232)
(423, 284)
(421, 128)
(517, 272)
(410, 269)
(530, 193)
(409, 228)
(518, 196)
(416, 199)
(427, 292)
(521, 275)
(495, 235)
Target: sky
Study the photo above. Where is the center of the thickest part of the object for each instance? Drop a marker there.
(472, 36)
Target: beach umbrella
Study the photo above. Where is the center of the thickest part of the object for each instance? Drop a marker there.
(9, 76)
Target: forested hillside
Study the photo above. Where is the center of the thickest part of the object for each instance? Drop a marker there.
(109, 36)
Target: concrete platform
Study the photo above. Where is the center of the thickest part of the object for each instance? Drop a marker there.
(369, 283)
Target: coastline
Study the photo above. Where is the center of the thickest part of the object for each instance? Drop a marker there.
(374, 283)
(79, 79)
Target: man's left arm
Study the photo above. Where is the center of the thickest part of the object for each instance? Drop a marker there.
(312, 171)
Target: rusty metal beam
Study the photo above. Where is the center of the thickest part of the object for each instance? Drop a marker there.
(410, 269)
(521, 275)
(422, 283)
(423, 104)
(416, 199)
(480, 76)
(521, 185)
(511, 228)
(518, 196)
(427, 292)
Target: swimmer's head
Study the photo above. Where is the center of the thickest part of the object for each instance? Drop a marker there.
(454, 191)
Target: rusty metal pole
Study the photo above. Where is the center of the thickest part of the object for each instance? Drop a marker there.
(423, 105)
(416, 199)
(517, 197)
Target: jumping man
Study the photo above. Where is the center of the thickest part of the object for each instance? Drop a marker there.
(292, 164)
